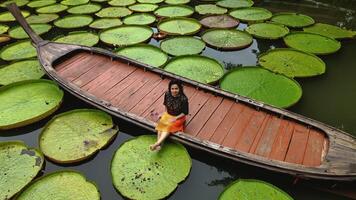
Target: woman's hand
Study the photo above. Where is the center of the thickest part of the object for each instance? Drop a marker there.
(173, 119)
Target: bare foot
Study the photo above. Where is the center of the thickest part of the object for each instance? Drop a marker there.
(155, 147)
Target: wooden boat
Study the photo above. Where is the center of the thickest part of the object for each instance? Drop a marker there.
(219, 122)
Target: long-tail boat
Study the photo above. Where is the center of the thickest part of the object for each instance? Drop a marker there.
(219, 122)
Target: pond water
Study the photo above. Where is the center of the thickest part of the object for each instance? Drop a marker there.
(328, 98)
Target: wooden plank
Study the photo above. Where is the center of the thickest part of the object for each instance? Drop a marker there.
(196, 103)
(297, 145)
(68, 62)
(269, 133)
(314, 148)
(259, 134)
(282, 141)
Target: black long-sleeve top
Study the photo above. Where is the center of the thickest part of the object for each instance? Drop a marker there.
(176, 105)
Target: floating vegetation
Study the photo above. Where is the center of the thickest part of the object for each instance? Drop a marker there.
(174, 11)
(219, 21)
(210, 9)
(153, 175)
(182, 45)
(139, 19)
(55, 8)
(176, 2)
(105, 23)
(235, 3)
(19, 165)
(4, 38)
(262, 85)
(150, 1)
(19, 107)
(122, 2)
(179, 26)
(114, 12)
(18, 50)
(20, 71)
(19, 3)
(3, 28)
(73, 21)
(143, 7)
(126, 35)
(40, 3)
(199, 68)
(85, 9)
(7, 16)
(227, 39)
(41, 18)
(80, 38)
(293, 20)
(99, 0)
(249, 189)
(253, 14)
(330, 31)
(74, 2)
(292, 63)
(17, 32)
(312, 43)
(61, 185)
(267, 30)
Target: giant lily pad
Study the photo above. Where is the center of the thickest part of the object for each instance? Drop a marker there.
(176, 2)
(249, 189)
(235, 3)
(152, 175)
(126, 35)
(17, 32)
(143, 7)
(293, 20)
(19, 3)
(150, 1)
(205, 9)
(40, 3)
(139, 19)
(41, 18)
(199, 68)
(17, 51)
(179, 26)
(55, 8)
(292, 63)
(76, 135)
(105, 23)
(144, 53)
(219, 21)
(19, 165)
(270, 31)
(7, 16)
(114, 12)
(20, 71)
(262, 85)
(61, 185)
(73, 21)
(3, 28)
(174, 11)
(227, 38)
(85, 9)
(312, 43)
(99, 0)
(330, 31)
(183, 45)
(26, 102)
(80, 38)
(4, 38)
(74, 2)
(252, 14)
(122, 2)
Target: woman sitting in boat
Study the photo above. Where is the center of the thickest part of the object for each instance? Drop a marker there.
(172, 120)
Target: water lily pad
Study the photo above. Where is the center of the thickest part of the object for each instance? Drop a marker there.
(19, 165)
(105, 23)
(219, 21)
(145, 53)
(3, 28)
(99, 0)
(174, 11)
(183, 45)
(235, 3)
(122, 2)
(227, 38)
(20, 71)
(40, 3)
(312, 43)
(205, 9)
(114, 12)
(292, 63)
(176, 2)
(143, 7)
(249, 189)
(179, 26)
(7, 16)
(73, 21)
(126, 35)
(199, 68)
(17, 51)
(262, 85)
(74, 2)
(293, 20)
(150, 1)
(17, 32)
(139, 19)
(85, 9)
(41, 18)
(330, 31)
(4, 39)
(270, 31)
(80, 38)
(55, 8)
(61, 185)
(252, 14)
(25, 102)
(140, 179)
(19, 3)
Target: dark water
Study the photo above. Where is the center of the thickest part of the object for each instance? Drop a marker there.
(328, 98)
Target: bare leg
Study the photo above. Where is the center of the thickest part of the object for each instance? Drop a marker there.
(157, 145)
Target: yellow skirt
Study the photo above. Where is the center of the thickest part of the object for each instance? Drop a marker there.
(165, 124)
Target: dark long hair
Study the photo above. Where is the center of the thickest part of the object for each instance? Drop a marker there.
(179, 84)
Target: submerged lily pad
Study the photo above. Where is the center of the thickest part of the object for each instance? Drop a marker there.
(3, 28)
(41, 18)
(330, 31)
(205, 9)
(7, 16)
(17, 51)
(61, 185)
(176, 2)
(179, 26)
(293, 20)
(262, 85)
(199, 68)
(249, 189)
(19, 3)
(85, 9)
(227, 38)
(174, 11)
(126, 35)
(114, 12)
(219, 21)
(145, 53)
(40, 3)
(183, 45)
(292, 63)
(17, 32)
(73, 21)
(55, 8)
(143, 7)
(139, 19)
(122, 2)
(252, 14)
(150, 1)
(80, 38)
(74, 2)
(26, 102)
(312, 43)
(270, 31)
(105, 23)
(153, 175)
(19, 165)
(20, 71)
(235, 3)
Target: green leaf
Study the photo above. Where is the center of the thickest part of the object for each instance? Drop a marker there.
(41, 18)
(74, 2)
(267, 30)
(182, 45)
(55, 8)
(105, 23)
(19, 3)
(73, 21)
(143, 7)
(85, 9)
(253, 14)
(126, 35)
(139, 19)
(40, 3)
(80, 38)
(152, 175)
(179, 26)
(174, 11)
(176, 2)
(20, 71)
(3, 28)
(219, 21)
(150, 1)
(122, 2)
(17, 32)
(7, 16)
(114, 12)
(293, 20)
(330, 31)
(205, 9)
(235, 3)
(17, 51)
(227, 38)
